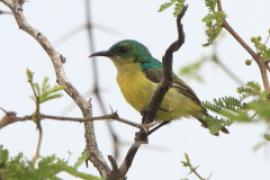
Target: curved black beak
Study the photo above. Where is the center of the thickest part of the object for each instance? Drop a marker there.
(101, 53)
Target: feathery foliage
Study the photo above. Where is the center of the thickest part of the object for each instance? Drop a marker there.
(44, 91)
(213, 21)
(178, 6)
(252, 106)
(192, 169)
(47, 168)
(261, 46)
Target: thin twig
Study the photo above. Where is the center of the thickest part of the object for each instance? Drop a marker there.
(93, 151)
(96, 89)
(38, 148)
(11, 117)
(36, 117)
(80, 28)
(187, 163)
(227, 70)
(113, 116)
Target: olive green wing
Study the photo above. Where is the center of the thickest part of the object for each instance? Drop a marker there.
(155, 75)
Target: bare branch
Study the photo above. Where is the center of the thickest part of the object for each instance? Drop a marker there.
(10, 117)
(56, 58)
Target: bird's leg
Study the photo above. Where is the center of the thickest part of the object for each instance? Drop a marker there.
(146, 126)
(145, 132)
(143, 112)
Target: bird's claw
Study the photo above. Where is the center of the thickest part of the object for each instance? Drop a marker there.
(145, 127)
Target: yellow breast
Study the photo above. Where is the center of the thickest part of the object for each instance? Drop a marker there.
(138, 89)
(135, 87)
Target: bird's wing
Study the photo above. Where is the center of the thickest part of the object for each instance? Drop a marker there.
(155, 75)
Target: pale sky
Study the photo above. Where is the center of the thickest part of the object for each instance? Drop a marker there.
(226, 157)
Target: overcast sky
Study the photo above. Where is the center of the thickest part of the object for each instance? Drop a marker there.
(226, 157)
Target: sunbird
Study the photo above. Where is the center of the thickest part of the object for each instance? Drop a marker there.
(138, 75)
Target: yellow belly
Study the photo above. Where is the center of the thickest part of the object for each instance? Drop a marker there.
(138, 90)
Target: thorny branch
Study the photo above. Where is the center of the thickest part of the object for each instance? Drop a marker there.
(10, 117)
(96, 89)
(57, 60)
(154, 105)
(257, 57)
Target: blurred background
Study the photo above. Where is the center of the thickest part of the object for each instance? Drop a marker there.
(225, 157)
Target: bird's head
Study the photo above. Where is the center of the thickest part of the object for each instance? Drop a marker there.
(126, 51)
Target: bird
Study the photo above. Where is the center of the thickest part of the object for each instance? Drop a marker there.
(138, 75)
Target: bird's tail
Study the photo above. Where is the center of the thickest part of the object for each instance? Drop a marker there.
(204, 124)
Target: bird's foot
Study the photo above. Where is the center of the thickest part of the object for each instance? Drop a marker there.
(143, 133)
(146, 126)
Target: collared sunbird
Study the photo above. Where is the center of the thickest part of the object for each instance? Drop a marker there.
(138, 75)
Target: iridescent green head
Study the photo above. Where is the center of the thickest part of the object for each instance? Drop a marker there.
(126, 51)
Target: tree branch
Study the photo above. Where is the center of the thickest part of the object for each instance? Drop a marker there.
(258, 58)
(57, 60)
(10, 118)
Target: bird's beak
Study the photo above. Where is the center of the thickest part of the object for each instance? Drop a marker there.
(101, 53)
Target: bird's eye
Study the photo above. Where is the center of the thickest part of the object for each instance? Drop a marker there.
(122, 50)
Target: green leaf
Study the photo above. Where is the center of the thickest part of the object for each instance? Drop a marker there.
(29, 75)
(46, 92)
(213, 22)
(261, 47)
(165, 6)
(214, 125)
(211, 4)
(262, 108)
(251, 89)
(192, 70)
(178, 6)
(47, 168)
(84, 156)
(266, 137)
(44, 99)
